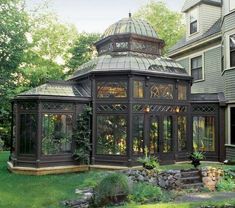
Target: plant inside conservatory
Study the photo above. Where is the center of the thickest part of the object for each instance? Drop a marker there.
(82, 136)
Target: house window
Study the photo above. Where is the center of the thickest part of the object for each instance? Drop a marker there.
(204, 133)
(196, 68)
(232, 50)
(182, 133)
(231, 5)
(138, 89)
(232, 127)
(193, 22)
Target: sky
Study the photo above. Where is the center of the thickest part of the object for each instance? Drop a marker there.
(97, 15)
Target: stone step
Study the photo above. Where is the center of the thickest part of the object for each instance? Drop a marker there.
(185, 174)
(198, 177)
(193, 185)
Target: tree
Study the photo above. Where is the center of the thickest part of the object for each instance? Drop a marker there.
(83, 50)
(13, 26)
(50, 42)
(167, 23)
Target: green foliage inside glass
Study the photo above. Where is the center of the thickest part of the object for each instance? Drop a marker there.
(82, 136)
(110, 188)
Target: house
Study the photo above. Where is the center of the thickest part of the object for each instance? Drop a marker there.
(207, 52)
(138, 97)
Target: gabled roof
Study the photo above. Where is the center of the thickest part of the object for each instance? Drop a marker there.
(60, 88)
(215, 28)
(188, 4)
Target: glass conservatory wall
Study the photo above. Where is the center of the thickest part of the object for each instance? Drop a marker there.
(111, 134)
(56, 133)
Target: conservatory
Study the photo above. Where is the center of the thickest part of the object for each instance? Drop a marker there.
(139, 100)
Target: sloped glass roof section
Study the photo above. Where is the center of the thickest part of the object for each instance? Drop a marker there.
(130, 25)
(126, 61)
(60, 89)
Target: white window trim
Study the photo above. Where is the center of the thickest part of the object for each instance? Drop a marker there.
(229, 5)
(229, 123)
(203, 66)
(227, 41)
(189, 22)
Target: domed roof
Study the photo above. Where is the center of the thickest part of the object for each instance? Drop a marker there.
(130, 25)
(130, 61)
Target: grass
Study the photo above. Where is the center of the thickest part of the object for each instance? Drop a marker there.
(48, 191)
(40, 191)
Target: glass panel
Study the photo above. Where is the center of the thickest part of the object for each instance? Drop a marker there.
(28, 133)
(182, 92)
(232, 50)
(111, 135)
(56, 133)
(204, 133)
(138, 134)
(138, 89)
(167, 133)
(112, 89)
(232, 126)
(161, 91)
(182, 136)
(154, 135)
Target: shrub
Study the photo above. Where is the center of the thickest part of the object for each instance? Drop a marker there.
(226, 185)
(111, 189)
(1, 145)
(146, 193)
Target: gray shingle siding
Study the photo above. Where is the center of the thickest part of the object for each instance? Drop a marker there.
(229, 22)
(229, 84)
(213, 82)
(191, 3)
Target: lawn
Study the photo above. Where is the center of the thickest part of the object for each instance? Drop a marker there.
(19, 191)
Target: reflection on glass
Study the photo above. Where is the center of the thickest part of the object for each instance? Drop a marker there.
(204, 133)
(114, 89)
(111, 135)
(28, 133)
(154, 135)
(138, 134)
(56, 134)
(138, 89)
(182, 92)
(167, 134)
(161, 91)
(181, 127)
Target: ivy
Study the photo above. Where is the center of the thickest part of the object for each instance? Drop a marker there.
(82, 136)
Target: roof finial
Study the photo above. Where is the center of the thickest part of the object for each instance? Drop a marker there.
(129, 14)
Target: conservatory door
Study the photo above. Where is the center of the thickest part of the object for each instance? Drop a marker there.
(161, 137)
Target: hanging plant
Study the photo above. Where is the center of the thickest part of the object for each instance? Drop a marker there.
(82, 136)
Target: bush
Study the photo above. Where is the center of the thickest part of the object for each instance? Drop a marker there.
(112, 189)
(146, 193)
(226, 184)
(1, 145)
